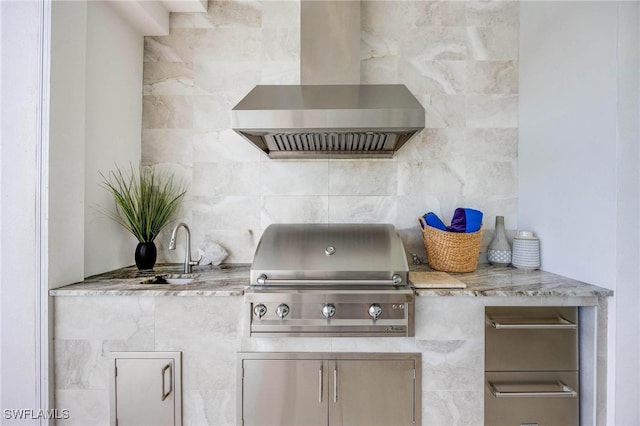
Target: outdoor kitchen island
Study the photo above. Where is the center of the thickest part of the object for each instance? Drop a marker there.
(206, 322)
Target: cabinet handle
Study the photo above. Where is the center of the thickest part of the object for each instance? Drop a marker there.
(561, 323)
(320, 384)
(163, 372)
(565, 391)
(335, 384)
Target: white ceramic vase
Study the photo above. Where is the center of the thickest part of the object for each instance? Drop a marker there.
(499, 250)
(526, 251)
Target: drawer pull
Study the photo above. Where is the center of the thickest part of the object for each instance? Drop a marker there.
(564, 391)
(531, 324)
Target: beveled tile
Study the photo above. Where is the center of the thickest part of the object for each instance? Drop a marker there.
(452, 364)
(167, 112)
(459, 408)
(280, 44)
(293, 209)
(491, 144)
(441, 318)
(363, 178)
(168, 78)
(492, 77)
(378, 344)
(212, 78)
(280, 72)
(227, 44)
(225, 146)
(197, 320)
(102, 318)
(429, 76)
(281, 14)
(435, 43)
(209, 407)
(286, 344)
(215, 179)
(294, 178)
(444, 110)
(362, 209)
(226, 212)
(78, 364)
(492, 179)
(167, 146)
(85, 407)
(379, 70)
(492, 13)
(492, 111)
(493, 43)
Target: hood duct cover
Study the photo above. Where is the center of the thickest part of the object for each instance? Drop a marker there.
(316, 121)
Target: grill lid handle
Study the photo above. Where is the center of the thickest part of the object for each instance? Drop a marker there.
(263, 280)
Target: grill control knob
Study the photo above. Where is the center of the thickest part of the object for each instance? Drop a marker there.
(375, 311)
(328, 310)
(282, 310)
(260, 310)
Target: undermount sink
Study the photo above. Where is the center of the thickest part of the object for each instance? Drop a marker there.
(177, 279)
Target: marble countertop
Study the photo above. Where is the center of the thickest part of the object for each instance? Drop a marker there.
(231, 279)
(223, 280)
(488, 280)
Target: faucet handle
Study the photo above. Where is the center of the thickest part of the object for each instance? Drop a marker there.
(195, 262)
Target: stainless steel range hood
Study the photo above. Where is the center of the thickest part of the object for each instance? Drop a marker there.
(336, 120)
(330, 114)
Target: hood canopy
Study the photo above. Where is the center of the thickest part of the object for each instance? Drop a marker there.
(315, 121)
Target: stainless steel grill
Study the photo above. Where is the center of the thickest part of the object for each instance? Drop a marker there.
(330, 280)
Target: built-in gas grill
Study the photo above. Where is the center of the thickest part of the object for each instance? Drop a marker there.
(330, 280)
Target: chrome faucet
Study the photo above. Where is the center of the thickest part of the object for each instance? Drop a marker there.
(188, 263)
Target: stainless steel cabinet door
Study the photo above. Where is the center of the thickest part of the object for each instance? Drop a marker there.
(284, 392)
(531, 338)
(372, 392)
(532, 398)
(146, 389)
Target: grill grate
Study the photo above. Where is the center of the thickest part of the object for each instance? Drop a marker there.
(326, 142)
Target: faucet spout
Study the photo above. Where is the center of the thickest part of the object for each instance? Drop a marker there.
(188, 263)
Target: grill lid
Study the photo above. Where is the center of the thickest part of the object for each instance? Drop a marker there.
(336, 254)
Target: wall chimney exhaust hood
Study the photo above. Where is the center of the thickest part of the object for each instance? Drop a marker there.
(330, 114)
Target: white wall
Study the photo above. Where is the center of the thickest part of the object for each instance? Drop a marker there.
(96, 115)
(20, 52)
(67, 142)
(578, 161)
(627, 330)
(113, 129)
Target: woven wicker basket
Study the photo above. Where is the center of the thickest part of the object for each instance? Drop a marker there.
(451, 251)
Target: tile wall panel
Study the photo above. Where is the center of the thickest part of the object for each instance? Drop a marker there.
(459, 58)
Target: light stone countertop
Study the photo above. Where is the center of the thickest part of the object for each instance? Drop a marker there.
(223, 280)
(231, 279)
(488, 280)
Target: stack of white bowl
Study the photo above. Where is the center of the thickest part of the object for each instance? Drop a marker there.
(526, 251)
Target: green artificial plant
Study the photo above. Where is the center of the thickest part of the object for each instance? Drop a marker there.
(145, 201)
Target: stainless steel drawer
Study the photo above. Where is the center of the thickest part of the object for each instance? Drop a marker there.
(531, 338)
(531, 399)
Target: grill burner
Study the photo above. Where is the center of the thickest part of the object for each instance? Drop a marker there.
(330, 280)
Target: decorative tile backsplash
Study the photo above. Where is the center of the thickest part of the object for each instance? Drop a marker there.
(460, 59)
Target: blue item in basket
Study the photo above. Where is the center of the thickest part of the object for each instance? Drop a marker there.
(434, 221)
(466, 220)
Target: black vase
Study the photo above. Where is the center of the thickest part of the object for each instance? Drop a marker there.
(146, 254)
